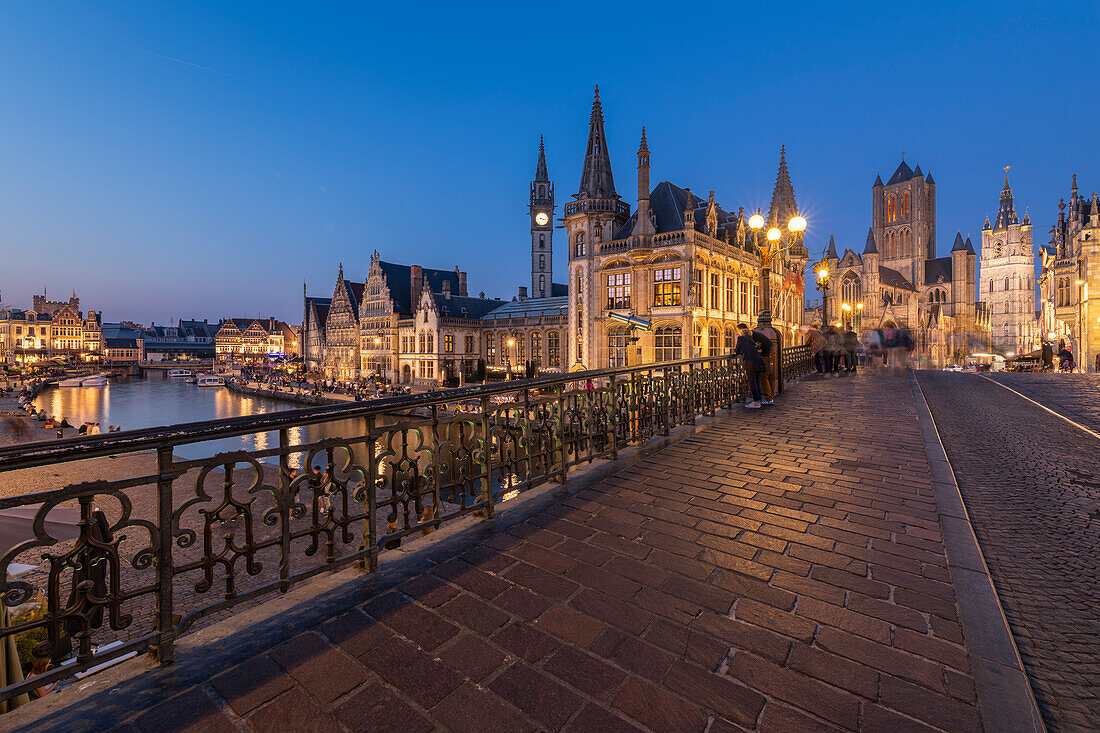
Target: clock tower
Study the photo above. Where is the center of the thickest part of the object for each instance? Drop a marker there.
(542, 229)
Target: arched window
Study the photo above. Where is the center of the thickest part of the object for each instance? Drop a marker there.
(490, 349)
(536, 347)
(598, 232)
(667, 343)
(542, 241)
(553, 348)
(431, 342)
(542, 262)
(851, 290)
(616, 346)
(714, 344)
(730, 340)
(1006, 283)
(578, 247)
(906, 243)
(991, 285)
(904, 205)
(891, 208)
(422, 344)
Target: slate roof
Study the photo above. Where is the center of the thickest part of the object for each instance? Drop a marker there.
(831, 250)
(937, 268)
(558, 289)
(534, 307)
(959, 245)
(902, 174)
(890, 276)
(399, 281)
(120, 343)
(355, 293)
(667, 203)
(870, 248)
(460, 306)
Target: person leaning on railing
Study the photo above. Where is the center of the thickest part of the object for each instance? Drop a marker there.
(753, 361)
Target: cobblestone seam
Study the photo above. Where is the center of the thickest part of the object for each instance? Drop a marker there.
(1005, 697)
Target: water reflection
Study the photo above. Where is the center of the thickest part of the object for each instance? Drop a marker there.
(157, 401)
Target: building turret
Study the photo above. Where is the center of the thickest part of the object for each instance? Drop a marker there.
(1006, 214)
(783, 205)
(596, 179)
(643, 224)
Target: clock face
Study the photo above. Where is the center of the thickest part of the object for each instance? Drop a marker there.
(541, 218)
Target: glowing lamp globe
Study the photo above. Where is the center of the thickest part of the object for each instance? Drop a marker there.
(845, 306)
(756, 222)
(797, 224)
(822, 274)
(774, 234)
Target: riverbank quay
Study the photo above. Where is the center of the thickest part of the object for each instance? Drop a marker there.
(758, 573)
(286, 394)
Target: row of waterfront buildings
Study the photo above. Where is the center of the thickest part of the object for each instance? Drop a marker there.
(677, 260)
(60, 331)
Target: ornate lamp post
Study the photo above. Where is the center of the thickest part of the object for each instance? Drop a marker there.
(508, 359)
(772, 248)
(823, 288)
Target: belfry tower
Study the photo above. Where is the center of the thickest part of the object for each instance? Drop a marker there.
(541, 209)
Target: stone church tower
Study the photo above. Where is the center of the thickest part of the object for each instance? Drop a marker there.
(594, 216)
(541, 209)
(1007, 278)
(904, 221)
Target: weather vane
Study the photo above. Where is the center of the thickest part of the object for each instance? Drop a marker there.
(1006, 168)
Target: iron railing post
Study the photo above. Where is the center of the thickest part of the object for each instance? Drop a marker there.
(165, 621)
(285, 502)
(370, 530)
(487, 458)
(693, 388)
(613, 418)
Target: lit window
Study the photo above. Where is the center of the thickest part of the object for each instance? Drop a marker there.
(666, 286)
(618, 291)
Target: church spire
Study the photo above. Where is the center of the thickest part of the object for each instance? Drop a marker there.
(783, 206)
(540, 169)
(596, 180)
(1007, 213)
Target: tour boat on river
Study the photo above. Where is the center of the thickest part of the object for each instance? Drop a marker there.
(211, 380)
(96, 380)
(179, 372)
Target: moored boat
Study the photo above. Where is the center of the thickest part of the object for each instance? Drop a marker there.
(96, 380)
(179, 372)
(211, 380)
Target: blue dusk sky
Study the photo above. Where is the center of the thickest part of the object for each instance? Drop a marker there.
(202, 159)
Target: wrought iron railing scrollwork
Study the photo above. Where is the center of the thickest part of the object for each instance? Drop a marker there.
(174, 539)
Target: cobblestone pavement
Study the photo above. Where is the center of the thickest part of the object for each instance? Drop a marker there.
(782, 570)
(1031, 483)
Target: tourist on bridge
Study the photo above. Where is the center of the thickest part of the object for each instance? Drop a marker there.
(754, 363)
(851, 349)
(817, 345)
(766, 340)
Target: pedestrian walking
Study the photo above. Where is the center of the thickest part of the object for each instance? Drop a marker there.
(816, 341)
(851, 348)
(753, 363)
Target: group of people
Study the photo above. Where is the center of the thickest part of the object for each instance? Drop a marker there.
(758, 349)
(839, 350)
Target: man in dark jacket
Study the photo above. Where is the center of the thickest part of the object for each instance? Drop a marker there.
(752, 361)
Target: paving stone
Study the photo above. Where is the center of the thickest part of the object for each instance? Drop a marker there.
(471, 710)
(537, 695)
(525, 641)
(585, 672)
(413, 672)
(249, 685)
(375, 708)
(293, 710)
(594, 718)
(191, 711)
(473, 656)
(325, 672)
(657, 709)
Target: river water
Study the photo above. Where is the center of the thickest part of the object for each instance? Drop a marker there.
(146, 403)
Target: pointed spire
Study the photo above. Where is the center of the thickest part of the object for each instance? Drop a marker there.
(540, 169)
(783, 205)
(596, 180)
(1006, 215)
(340, 274)
(959, 245)
(870, 248)
(830, 251)
(917, 171)
(643, 146)
(987, 225)
(969, 246)
(878, 181)
(929, 178)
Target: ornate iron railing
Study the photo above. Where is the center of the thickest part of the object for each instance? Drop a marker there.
(795, 361)
(172, 540)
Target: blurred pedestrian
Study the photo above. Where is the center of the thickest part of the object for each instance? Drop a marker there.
(753, 363)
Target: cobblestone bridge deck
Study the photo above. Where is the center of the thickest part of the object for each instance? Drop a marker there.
(779, 570)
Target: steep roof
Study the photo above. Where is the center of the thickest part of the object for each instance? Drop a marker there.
(959, 245)
(937, 268)
(532, 307)
(461, 306)
(667, 203)
(902, 174)
(399, 281)
(870, 248)
(540, 167)
(355, 293)
(783, 205)
(890, 276)
(1006, 213)
(596, 179)
(970, 247)
(830, 251)
(558, 289)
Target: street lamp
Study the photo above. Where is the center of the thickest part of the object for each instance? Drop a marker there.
(823, 288)
(768, 252)
(508, 358)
